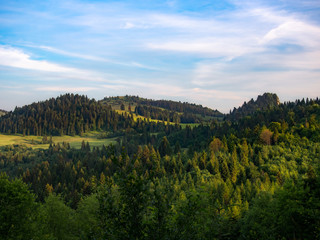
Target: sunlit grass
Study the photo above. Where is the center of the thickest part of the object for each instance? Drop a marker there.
(136, 117)
(36, 141)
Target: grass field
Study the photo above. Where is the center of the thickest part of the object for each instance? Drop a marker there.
(36, 141)
(116, 105)
(135, 117)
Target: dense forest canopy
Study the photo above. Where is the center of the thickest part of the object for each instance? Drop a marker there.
(253, 175)
(69, 114)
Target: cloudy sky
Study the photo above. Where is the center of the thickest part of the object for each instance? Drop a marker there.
(215, 53)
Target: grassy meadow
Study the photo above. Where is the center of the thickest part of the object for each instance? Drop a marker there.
(92, 137)
(36, 141)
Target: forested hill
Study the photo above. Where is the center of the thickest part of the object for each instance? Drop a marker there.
(67, 114)
(264, 102)
(257, 177)
(179, 112)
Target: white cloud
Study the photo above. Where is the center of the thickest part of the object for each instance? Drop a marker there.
(297, 82)
(215, 47)
(182, 22)
(12, 57)
(91, 57)
(294, 32)
(129, 25)
(232, 54)
(252, 31)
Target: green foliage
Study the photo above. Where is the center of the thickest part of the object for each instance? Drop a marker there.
(164, 148)
(253, 178)
(17, 210)
(87, 220)
(123, 209)
(291, 213)
(264, 102)
(165, 110)
(57, 219)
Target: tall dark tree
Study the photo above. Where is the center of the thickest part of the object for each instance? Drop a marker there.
(164, 147)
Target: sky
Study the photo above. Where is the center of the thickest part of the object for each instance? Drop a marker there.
(215, 53)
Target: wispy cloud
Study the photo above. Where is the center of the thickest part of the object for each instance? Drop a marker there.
(12, 57)
(92, 57)
(217, 55)
(16, 58)
(294, 32)
(237, 36)
(65, 89)
(71, 54)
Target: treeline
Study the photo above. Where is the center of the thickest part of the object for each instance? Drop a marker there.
(263, 102)
(71, 114)
(169, 116)
(183, 107)
(67, 114)
(300, 118)
(173, 106)
(272, 126)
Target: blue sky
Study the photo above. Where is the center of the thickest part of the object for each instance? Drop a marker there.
(215, 53)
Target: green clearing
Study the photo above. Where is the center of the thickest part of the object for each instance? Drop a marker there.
(36, 141)
(116, 104)
(192, 125)
(135, 117)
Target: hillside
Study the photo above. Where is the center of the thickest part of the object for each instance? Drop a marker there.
(164, 110)
(263, 102)
(67, 114)
(255, 177)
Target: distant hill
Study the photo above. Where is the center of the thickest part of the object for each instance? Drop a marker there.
(179, 112)
(67, 114)
(263, 102)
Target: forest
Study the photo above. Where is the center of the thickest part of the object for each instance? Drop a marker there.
(165, 110)
(251, 174)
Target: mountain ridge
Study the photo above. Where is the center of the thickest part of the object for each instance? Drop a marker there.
(174, 111)
(263, 102)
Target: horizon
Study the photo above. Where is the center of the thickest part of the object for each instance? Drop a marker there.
(153, 99)
(218, 54)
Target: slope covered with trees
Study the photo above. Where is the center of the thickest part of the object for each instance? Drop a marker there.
(164, 110)
(263, 102)
(257, 177)
(67, 114)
